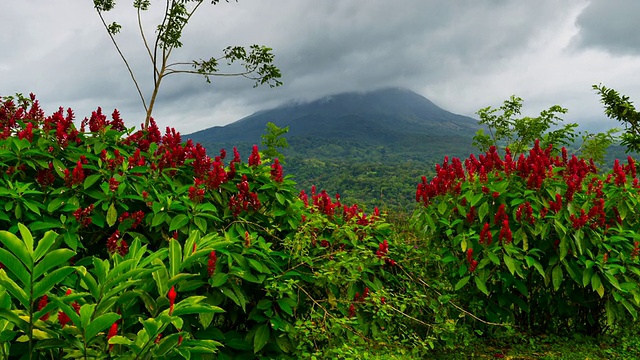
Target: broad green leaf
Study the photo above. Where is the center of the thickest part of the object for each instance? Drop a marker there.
(55, 204)
(88, 281)
(442, 207)
(17, 248)
(533, 262)
(218, 279)
(483, 211)
(586, 276)
(175, 257)
(13, 317)
(564, 248)
(481, 285)
(86, 313)
(493, 257)
(178, 222)
(595, 282)
(90, 180)
(261, 338)
(510, 263)
(15, 267)
(612, 280)
(462, 282)
(556, 276)
(630, 309)
(15, 290)
(112, 215)
(44, 245)
(50, 280)
(27, 238)
(285, 306)
(205, 319)
(53, 259)
(99, 324)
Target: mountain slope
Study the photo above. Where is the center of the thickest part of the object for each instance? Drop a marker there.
(379, 117)
(370, 147)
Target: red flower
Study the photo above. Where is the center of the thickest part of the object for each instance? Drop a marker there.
(469, 254)
(352, 311)
(172, 299)
(113, 185)
(113, 331)
(44, 300)
(211, 266)
(485, 235)
(254, 158)
(63, 318)
(112, 242)
(276, 170)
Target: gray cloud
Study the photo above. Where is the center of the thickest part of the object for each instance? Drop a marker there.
(461, 54)
(610, 25)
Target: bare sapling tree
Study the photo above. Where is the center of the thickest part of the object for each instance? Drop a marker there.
(255, 62)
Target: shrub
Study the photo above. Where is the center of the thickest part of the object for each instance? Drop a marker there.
(150, 248)
(542, 242)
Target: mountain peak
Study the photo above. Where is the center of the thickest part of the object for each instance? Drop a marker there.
(377, 116)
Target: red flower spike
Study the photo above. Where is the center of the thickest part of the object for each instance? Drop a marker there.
(113, 331)
(172, 299)
(44, 300)
(211, 266)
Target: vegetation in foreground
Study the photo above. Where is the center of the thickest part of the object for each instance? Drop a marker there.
(132, 244)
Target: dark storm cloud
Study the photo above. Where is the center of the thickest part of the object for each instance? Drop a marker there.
(462, 54)
(610, 25)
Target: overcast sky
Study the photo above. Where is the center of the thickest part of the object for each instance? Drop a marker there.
(461, 54)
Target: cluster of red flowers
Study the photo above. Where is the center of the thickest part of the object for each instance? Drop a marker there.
(46, 177)
(211, 265)
(78, 174)
(112, 163)
(135, 217)
(276, 171)
(473, 263)
(636, 250)
(358, 298)
(44, 300)
(196, 194)
(115, 244)
(83, 215)
(505, 233)
(254, 158)
(485, 235)
(244, 199)
(525, 213)
(98, 121)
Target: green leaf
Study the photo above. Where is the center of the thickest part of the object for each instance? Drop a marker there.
(218, 279)
(112, 215)
(44, 245)
(556, 276)
(55, 204)
(12, 316)
(595, 282)
(261, 338)
(15, 290)
(16, 267)
(53, 259)
(481, 285)
(100, 323)
(483, 210)
(90, 180)
(51, 280)
(27, 238)
(178, 222)
(508, 260)
(462, 282)
(493, 257)
(17, 248)
(175, 257)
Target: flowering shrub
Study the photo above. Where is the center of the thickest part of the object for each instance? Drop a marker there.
(549, 244)
(150, 248)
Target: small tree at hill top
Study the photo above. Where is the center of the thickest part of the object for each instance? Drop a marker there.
(255, 62)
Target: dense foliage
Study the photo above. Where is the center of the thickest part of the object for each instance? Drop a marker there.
(552, 245)
(121, 243)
